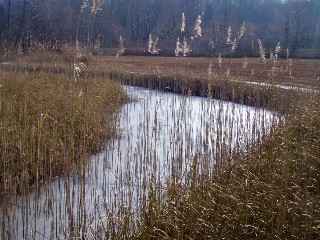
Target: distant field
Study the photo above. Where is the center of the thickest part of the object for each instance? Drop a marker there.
(303, 72)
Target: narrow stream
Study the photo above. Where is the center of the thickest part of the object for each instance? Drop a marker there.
(160, 135)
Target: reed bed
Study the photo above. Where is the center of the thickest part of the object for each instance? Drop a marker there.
(270, 193)
(248, 81)
(49, 123)
(181, 167)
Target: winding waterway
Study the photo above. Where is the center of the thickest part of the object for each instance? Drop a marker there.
(160, 136)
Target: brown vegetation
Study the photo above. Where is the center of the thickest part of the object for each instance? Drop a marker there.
(49, 123)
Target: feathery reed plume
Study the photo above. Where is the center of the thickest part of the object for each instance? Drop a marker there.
(234, 45)
(150, 43)
(178, 48)
(121, 47)
(274, 57)
(278, 48)
(242, 30)
(245, 63)
(220, 61)
(154, 47)
(84, 5)
(229, 36)
(211, 44)
(197, 29)
(185, 48)
(96, 6)
(262, 52)
(183, 22)
(77, 69)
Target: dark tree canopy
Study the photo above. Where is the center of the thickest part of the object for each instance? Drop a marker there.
(294, 23)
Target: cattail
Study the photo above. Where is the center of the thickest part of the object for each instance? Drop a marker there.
(185, 48)
(262, 52)
(197, 29)
(229, 36)
(242, 30)
(150, 43)
(178, 48)
(183, 23)
(121, 47)
(96, 6)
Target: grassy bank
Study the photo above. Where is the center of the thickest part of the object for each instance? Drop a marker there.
(174, 75)
(50, 122)
(271, 193)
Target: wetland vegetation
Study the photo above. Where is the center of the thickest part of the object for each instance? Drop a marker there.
(129, 142)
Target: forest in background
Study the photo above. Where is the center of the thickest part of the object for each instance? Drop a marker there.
(56, 24)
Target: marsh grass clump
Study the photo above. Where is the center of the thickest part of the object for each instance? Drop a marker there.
(49, 123)
(271, 192)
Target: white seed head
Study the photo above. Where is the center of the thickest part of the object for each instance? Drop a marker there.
(262, 52)
(197, 29)
(96, 6)
(278, 48)
(242, 30)
(245, 63)
(229, 36)
(234, 45)
(183, 22)
(185, 48)
(220, 61)
(178, 48)
(84, 5)
(150, 43)
(121, 47)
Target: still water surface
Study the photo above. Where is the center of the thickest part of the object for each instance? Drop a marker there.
(160, 135)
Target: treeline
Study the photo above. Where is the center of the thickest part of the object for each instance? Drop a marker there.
(26, 24)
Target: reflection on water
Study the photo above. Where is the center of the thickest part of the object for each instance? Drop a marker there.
(160, 134)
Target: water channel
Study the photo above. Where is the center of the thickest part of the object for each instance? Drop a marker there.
(160, 135)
